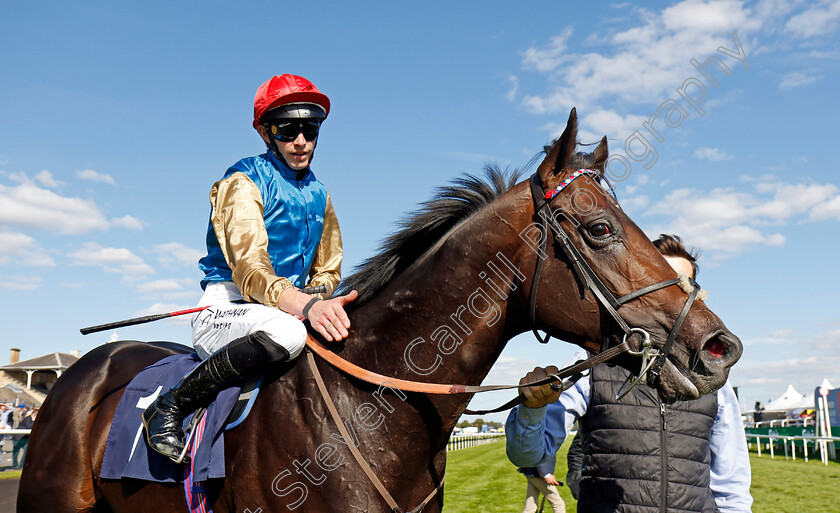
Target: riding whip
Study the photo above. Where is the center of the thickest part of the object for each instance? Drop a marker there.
(320, 289)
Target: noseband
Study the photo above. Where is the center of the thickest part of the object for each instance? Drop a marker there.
(652, 359)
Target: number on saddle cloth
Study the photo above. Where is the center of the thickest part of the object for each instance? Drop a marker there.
(126, 453)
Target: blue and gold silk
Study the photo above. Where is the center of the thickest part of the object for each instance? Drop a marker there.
(293, 212)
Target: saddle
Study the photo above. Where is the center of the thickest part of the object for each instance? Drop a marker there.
(126, 452)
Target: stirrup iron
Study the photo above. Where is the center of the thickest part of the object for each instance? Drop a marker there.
(190, 431)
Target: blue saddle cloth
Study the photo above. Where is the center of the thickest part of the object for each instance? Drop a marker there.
(126, 451)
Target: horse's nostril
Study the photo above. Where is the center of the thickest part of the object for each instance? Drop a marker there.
(716, 348)
(723, 348)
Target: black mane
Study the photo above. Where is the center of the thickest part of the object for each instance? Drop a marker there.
(451, 204)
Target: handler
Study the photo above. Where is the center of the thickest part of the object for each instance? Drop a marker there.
(639, 454)
(272, 227)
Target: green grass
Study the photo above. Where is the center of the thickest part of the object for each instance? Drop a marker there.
(787, 486)
(10, 474)
(482, 479)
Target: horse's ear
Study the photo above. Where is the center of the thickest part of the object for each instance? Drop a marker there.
(599, 157)
(552, 170)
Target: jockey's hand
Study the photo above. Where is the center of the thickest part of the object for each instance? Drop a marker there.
(538, 396)
(551, 480)
(328, 317)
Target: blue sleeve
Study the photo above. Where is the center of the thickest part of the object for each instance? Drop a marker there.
(535, 435)
(730, 472)
(547, 467)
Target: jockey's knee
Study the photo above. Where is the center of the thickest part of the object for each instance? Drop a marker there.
(291, 336)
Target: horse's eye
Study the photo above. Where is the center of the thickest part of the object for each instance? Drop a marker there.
(599, 230)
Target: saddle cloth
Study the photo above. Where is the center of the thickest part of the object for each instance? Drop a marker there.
(126, 451)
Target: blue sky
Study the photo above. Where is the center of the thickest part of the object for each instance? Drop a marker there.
(116, 120)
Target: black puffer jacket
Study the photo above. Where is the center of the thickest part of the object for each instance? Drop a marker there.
(641, 455)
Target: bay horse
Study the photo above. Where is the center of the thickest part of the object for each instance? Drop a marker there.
(437, 305)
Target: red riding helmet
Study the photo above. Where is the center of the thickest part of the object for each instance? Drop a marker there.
(284, 89)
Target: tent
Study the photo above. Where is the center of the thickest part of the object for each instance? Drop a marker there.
(793, 400)
(790, 400)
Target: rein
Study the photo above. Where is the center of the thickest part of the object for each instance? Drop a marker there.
(575, 371)
(350, 368)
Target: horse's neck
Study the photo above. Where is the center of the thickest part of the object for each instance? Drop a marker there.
(444, 318)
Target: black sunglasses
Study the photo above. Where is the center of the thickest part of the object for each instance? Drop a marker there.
(287, 132)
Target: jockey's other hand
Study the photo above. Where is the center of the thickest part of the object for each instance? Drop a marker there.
(537, 396)
(328, 317)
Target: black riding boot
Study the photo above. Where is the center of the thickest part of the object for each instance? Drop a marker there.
(238, 359)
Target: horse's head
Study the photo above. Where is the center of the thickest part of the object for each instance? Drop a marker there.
(624, 260)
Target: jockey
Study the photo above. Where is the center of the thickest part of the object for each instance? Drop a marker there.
(272, 231)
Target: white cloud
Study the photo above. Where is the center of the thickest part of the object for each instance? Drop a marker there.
(791, 199)
(634, 203)
(20, 283)
(161, 286)
(795, 79)
(551, 56)
(514, 87)
(23, 250)
(785, 334)
(713, 154)
(94, 176)
(615, 126)
(115, 260)
(827, 210)
(822, 54)
(28, 206)
(171, 289)
(647, 62)
(172, 253)
(46, 179)
(701, 16)
(727, 221)
(128, 222)
(763, 379)
(820, 19)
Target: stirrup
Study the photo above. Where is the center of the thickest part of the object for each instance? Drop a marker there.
(188, 434)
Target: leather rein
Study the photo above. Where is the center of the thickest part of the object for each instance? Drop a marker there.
(652, 359)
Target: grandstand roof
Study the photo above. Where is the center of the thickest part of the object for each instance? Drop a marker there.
(53, 361)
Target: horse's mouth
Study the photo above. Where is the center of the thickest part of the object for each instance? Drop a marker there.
(675, 383)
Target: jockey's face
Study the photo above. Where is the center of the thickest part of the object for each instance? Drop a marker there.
(296, 153)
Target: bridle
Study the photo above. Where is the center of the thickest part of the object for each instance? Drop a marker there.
(652, 359)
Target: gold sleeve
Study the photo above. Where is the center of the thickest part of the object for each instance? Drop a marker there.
(326, 269)
(238, 222)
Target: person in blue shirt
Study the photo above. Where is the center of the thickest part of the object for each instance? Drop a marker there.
(639, 454)
(272, 232)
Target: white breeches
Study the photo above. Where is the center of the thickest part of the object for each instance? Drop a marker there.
(537, 486)
(226, 321)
